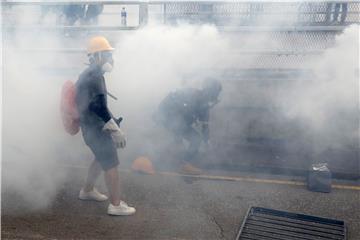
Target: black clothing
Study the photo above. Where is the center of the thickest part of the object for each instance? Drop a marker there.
(73, 12)
(98, 106)
(185, 107)
(102, 146)
(179, 111)
(92, 12)
(91, 100)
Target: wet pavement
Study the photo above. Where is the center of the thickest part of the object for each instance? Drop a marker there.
(170, 206)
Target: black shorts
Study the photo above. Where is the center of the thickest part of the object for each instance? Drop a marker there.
(102, 145)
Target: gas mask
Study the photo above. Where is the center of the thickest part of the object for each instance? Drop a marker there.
(107, 67)
(106, 57)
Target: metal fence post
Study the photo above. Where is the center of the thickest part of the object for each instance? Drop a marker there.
(143, 14)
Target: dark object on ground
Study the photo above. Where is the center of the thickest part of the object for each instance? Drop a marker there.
(118, 121)
(263, 223)
(319, 178)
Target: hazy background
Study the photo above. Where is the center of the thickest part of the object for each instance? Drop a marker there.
(149, 63)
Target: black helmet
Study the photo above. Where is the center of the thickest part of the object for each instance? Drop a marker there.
(212, 89)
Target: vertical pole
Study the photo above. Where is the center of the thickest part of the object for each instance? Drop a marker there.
(143, 14)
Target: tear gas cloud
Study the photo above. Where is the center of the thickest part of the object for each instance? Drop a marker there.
(322, 106)
(153, 62)
(149, 63)
(32, 137)
(30, 126)
(329, 103)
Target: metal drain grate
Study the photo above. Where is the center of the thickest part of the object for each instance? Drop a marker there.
(266, 224)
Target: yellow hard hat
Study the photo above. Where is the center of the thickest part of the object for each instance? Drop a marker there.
(143, 165)
(98, 44)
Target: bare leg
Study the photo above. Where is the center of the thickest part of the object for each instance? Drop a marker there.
(93, 174)
(113, 185)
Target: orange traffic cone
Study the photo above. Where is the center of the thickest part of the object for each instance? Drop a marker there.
(143, 165)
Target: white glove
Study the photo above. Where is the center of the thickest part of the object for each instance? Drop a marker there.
(117, 135)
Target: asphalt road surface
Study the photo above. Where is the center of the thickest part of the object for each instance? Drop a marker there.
(170, 206)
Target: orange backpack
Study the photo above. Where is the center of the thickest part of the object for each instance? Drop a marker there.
(68, 109)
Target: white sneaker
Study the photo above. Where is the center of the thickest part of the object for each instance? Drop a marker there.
(122, 210)
(94, 195)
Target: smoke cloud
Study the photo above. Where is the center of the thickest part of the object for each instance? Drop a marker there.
(149, 63)
(153, 62)
(329, 101)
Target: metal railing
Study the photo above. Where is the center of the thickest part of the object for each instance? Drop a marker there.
(231, 13)
(264, 13)
(294, 44)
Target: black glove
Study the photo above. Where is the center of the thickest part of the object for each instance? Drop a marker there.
(118, 121)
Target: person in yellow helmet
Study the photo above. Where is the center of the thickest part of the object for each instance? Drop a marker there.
(100, 131)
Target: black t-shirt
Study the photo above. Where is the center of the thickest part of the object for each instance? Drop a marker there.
(91, 99)
(187, 105)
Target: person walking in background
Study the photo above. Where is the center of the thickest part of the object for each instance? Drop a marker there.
(183, 112)
(100, 131)
(123, 17)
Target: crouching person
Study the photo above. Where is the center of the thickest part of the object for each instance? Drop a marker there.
(100, 132)
(185, 111)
